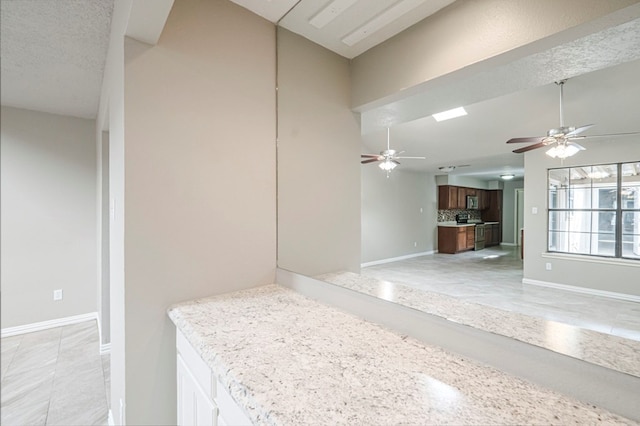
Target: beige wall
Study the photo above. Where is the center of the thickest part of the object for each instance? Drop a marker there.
(200, 187)
(48, 218)
(602, 275)
(392, 222)
(318, 160)
(463, 34)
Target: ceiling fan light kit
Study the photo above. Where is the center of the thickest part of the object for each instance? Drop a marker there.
(388, 158)
(561, 138)
(507, 176)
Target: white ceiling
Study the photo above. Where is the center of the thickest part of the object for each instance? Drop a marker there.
(347, 27)
(53, 54)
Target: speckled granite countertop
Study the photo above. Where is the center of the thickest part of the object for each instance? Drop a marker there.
(289, 360)
(617, 353)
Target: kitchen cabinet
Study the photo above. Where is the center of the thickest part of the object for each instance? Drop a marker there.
(452, 197)
(201, 399)
(492, 234)
(455, 239)
(449, 197)
(493, 212)
(462, 198)
(482, 199)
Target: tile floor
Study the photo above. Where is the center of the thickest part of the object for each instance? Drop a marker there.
(493, 277)
(55, 377)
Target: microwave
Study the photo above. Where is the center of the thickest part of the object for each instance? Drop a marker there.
(472, 202)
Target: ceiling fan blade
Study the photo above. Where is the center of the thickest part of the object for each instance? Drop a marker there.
(370, 155)
(529, 148)
(579, 130)
(580, 147)
(609, 135)
(396, 161)
(373, 160)
(412, 158)
(526, 140)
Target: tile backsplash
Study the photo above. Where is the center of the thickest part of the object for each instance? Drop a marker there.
(450, 215)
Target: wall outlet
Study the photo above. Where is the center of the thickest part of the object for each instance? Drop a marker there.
(547, 266)
(57, 294)
(534, 210)
(415, 244)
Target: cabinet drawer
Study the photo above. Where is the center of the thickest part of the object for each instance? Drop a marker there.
(200, 370)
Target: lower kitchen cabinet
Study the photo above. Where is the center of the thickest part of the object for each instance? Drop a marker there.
(492, 235)
(202, 399)
(454, 239)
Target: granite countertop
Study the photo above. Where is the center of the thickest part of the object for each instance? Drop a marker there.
(289, 360)
(455, 224)
(615, 352)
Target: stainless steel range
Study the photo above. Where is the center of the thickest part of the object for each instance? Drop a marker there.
(479, 243)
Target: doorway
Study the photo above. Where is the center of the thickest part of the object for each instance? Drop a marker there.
(519, 215)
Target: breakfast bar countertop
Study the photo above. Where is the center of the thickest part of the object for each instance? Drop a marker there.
(289, 360)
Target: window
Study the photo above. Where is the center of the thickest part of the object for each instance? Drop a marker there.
(595, 210)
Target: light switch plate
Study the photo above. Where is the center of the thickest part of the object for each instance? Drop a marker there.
(57, 294)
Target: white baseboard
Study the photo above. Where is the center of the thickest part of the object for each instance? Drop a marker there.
(584, 290)
(45, 325)
(508, 244)
(111, 422)
(395, 259)
(105, 348)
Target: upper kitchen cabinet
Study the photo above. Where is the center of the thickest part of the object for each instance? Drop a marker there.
(449, 197)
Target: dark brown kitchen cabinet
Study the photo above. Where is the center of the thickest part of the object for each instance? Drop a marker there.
(492, 234)
(462, 198)
(448, 197)
(482, 199)
(493, 212)
(455, 239)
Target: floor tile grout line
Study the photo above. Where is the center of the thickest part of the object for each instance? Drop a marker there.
(13, 356)
(53, 381)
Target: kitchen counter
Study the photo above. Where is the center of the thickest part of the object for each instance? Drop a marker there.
(454, 224)
(289, 360)
(614, 352)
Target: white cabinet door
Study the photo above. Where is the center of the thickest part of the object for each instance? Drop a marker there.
(186, 395)
(194, 406)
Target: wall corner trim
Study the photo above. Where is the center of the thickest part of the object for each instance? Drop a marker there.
(583, 290)
(44, 325)
(395, 259)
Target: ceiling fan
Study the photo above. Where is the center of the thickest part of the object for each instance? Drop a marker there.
(447, 169)
(388, 158)
(561, 139)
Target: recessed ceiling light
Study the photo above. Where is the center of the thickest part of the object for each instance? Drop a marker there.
(452, 113)
(508, 176)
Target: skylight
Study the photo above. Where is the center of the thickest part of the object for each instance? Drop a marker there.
(452, 113)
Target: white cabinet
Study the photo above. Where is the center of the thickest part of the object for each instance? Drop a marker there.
(202, 399)
(194, 406)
